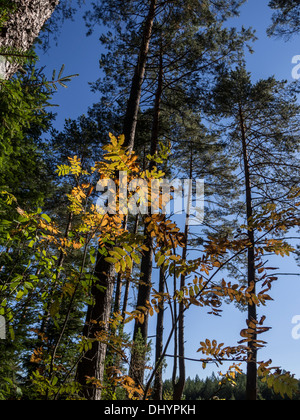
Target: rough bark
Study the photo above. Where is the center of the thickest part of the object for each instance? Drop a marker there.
(22, 28)
(137, 365)
(137, 369)
(128, 281)
(251, 387)
(118, 294)
(179, 385)
(130, 121)
(157, 109)
(92, 364)
(158, 382)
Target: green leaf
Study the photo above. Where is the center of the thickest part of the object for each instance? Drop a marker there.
(120, 251)
(117, 266)
(12, 333)
(54, 380)
(128, 262)
(63, 170)
(128, 248)
(20, 295)
(135, 258)
(46, 217)
(31, 244)
(54, 309)
(123, 265)
(29, 286)
(111, 260)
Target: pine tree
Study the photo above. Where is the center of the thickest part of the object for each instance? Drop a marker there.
(23, 168)
(134, 59)
(176, 71)
(286, 18)
(92, 364)
(263, 131)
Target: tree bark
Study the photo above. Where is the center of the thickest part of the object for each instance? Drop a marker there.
(137, 369)
(158, 382)
(118, 294)
(251, 387)
(157, 110)
(128, 282)
(22, 28)
(130, 121)
(179, 385)
(137, 365)
(92, 364)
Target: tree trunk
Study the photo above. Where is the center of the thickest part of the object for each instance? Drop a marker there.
(137, 364)
(156, 116)
(137, 369)
(158, 382)
(118, 294)
(179, 385)
(92, 364)
(251, 388)
(133, 105)
(22, 28)
(176, 317)
(128, 282)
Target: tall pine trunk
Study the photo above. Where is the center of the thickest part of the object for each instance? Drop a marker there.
(128, 281)
(22, 28)
(140, 335)
(137, 367)
(93, 362)
(158, 382)
(179, 385)
(133, 105)
(251, 388)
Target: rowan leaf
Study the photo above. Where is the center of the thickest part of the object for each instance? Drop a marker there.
(136, 258)
(54, 308)
(161, 260)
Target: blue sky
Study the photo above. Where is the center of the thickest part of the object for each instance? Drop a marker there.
(272, 57)
(81, 55)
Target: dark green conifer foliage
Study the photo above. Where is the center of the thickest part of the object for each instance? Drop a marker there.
(23, 121)
(286, 18)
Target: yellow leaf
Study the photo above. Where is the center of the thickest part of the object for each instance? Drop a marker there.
(113, 140)
(77, 245)
(161, 260)
(121, 139)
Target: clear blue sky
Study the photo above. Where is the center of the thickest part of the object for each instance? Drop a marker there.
(272, 57)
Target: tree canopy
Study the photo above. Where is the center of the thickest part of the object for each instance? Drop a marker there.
(286, 18)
